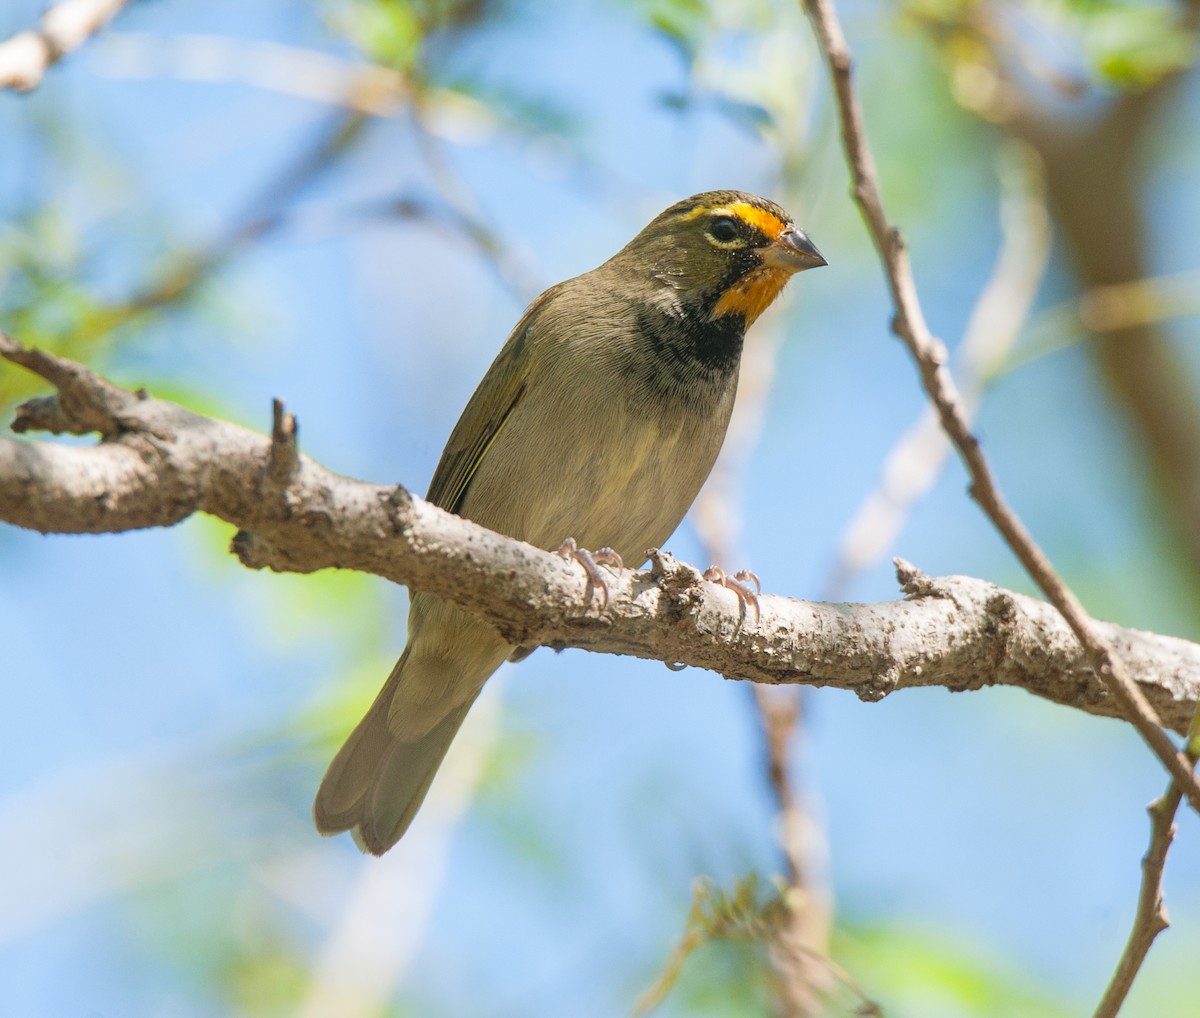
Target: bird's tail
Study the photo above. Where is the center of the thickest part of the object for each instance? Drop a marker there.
(379, 778)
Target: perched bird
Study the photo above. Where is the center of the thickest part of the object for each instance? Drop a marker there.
(599, 420)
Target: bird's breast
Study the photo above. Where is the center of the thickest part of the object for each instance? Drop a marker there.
(609, 463)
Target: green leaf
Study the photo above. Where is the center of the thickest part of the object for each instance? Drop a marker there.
(1134, 47)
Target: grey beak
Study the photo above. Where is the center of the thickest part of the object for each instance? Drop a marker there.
(792, 250)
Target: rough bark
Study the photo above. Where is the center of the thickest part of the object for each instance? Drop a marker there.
(157, 463)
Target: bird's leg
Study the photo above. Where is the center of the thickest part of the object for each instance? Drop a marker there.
(591, 562)
(739, 583)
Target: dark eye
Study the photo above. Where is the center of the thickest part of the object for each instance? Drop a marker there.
(723, 230)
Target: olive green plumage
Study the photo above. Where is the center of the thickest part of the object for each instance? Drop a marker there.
(598, 420)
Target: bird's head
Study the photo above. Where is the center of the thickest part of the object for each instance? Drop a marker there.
(719, 254)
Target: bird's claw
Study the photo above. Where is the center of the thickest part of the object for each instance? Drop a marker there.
(591, 562)
(739, 583)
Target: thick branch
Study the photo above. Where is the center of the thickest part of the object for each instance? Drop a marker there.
(158, 463)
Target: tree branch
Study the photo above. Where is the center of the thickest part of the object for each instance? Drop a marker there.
(1150, 918)
(157, 463)
(930, 355)
(25, 58)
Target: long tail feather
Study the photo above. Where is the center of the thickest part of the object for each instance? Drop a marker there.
(378, 780)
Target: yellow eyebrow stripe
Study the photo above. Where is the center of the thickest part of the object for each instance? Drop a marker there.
(768, 223)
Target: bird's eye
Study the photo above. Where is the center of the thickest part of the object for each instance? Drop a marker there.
(723, 230)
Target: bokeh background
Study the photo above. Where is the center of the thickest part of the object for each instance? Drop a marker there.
(217, 201)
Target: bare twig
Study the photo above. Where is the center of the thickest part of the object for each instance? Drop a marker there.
(25, 57)
(1151, 918)
(930, 355)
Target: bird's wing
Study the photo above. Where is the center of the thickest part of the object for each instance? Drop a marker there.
(498, 395)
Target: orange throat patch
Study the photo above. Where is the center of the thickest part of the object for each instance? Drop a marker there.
(752, 295)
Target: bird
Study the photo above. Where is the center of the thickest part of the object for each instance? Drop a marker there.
(594, 428)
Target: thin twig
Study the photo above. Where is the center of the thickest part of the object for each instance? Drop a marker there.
(25, 58)
(1151, 917)
(930, 354)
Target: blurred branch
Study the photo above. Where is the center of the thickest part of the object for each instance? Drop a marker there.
(275, 206)
(1093, 153)
(363, 91)
(799, 942)
(1151, 917)
(1136, 360)
(355, 85)
(179, 275)
(742, 914)
(930, 356)
(25, 58)
(915, 460)
(1152, 300)
(263, 214)
(157, 463)
(271, 66)
(463, 213)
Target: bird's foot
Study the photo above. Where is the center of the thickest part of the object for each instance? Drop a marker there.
(739, 583)
(591, 562)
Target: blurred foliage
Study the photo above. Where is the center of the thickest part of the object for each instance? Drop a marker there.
(737, 63)
(919, 972)
(1067, 44)
(684, 22)
(423, 41)
(1133, 46)
(399, 33)
(749, 914)
(45, 296)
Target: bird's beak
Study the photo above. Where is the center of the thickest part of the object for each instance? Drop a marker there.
(793, 252)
